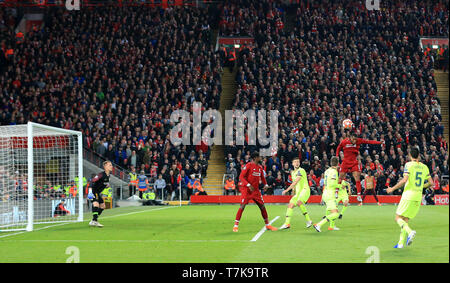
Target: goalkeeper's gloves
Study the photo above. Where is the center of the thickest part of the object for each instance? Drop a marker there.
(90, 195)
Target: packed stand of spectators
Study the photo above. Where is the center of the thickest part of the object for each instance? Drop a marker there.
(14, 187)
(8, 20)
(342, 61)
(251, 18)
(438, 55)
(117, 74)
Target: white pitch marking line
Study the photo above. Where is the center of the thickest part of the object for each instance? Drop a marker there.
(60, 224)
(131, 241)
(135, 212)
(263, 230)
(37, 229)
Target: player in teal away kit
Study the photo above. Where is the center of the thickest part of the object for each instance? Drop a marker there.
(302, 193)
(414, 176)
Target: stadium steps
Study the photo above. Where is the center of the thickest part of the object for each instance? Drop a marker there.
(214, 36)
(213, 184)
(442, 92)
(291, 16)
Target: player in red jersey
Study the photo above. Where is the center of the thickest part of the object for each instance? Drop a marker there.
(350, 147)
(251, 175)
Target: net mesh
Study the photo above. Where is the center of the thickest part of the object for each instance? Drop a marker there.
(55, 169)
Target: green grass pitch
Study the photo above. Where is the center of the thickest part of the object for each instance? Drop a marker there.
(203, 233)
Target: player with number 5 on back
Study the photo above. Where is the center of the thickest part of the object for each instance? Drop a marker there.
(414, 176)
(99, 183)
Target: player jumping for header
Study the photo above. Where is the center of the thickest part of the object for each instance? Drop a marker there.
(350, 147)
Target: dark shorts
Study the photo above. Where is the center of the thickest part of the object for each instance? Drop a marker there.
(98, 198)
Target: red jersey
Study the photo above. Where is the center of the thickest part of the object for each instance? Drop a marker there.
(252, 174)
(351, 151)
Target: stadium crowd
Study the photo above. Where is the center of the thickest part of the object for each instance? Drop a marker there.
(250, 18)
(116, 77)
(342, 61)
(121, 72)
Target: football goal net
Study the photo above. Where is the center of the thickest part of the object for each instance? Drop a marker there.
(39, 169)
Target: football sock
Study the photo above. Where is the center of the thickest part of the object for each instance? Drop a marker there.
(264, 215)
(331, 221)
(375, 195)
(288, 215)
(94, 213)
(402, 223)
(358, 187)
(100, 210)
(402, 239)
(305, 212)
(321, 222)
(238, 216)
(332, 225)
(344, 208)
(330, 217)
(324, 219)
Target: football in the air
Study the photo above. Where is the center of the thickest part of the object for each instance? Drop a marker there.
(347, 124)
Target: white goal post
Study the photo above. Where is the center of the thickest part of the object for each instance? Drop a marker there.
(41, 176)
